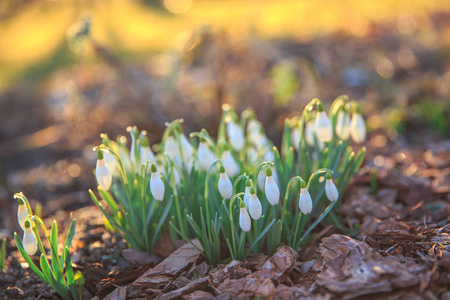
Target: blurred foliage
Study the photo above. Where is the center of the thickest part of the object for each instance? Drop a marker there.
(285, 83)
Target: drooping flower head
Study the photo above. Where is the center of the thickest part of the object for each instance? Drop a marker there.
(254, 205)
(235, 134)
(323, 128)
(29, 239)
(330, 189)
(102, 173)
(271, 188)
(305, 201)
(224, 185)
(357, 127)
(146, 153)
(231, 166)
(244, 219)
(156, 184)
(343, 125)
(205, 155)
(248, 185)
(22, 213)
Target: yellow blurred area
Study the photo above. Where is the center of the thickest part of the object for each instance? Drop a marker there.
(36, 31)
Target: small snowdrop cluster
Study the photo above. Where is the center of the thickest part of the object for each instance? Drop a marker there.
(24, 219)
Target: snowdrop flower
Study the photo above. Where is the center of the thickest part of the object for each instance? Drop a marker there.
(29, 239)
(235, 135)
(330, 189)
(305, 201)
(232, 168)
(244, 219)
(146, 153)
(224, 185)
(254, 205)
(323, 128)
(271, 188)
(357, 127)
(261, 180)
(186, 148)
(343, 125)
(176, 177)
(111, 162)
(205, 156)
(133, 154)
(156, 184)
(102, 172)
(296, 136)
(22, 213)
(248, 185)
(172, 149)
(309, 133)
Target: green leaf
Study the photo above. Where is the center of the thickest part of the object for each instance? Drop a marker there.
(69, 274)
(260, 236)
(28, 259)
(57, 286)
(69, 239)
(3, 255)
(162, 219)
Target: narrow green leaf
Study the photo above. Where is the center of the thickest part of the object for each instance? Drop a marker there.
(260, 236)
(69, 274)
(162, 219)
(28, 259)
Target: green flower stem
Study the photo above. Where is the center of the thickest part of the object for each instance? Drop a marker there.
(286, 196)
(258, 169)
(237, 196)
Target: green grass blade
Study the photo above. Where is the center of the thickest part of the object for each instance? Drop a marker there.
(3, 255)
(162, 219)
(57, 286)
(260, 236)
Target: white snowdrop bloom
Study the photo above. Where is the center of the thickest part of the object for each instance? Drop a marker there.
(309, 133)
(248, 185)
(261, 180)
(186, 148)
(323, 128)
(305, 201)
(111, 163)
(253, 126)
(295, 136)
(330, 189)
(271, 188)
(172, 149)
(102, 172)
(156, 184)
(244, 219)
(224, 185)
(343, 125)
(29, 239)
(176, 177)
(268, 153)
(235, 135)
(254, 205)
(231, 166)
(205, 156)
(358, 128)
(133, 154)
(22, 213)
(252, 155)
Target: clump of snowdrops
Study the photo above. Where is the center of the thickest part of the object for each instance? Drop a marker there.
(237, 188)
(59, 274)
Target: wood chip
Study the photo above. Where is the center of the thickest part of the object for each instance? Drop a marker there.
(283, 261)
(189, 288)
(139, 258)
(248, 287)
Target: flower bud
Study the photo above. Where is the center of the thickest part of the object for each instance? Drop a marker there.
(235, 135)
(186, 148)
(224, 185)
(231, 166)
(111, 162)
(358, 128)
(29, 239)
(244, 219)
(330, 189)
(22, 213)
(102, 173)
(305, 201)
(146, 153)
(343, 125)
(309, 133)
(156, 184)
(271, 188)
(254, 205)
(295, 136)
(323, 128)
(205, 156)
(248, 185)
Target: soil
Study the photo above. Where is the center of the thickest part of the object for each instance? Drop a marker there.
(395, 239)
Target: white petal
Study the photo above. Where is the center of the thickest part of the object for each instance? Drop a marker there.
(358, 128)
(272, 191)
(309, 133)
(255, 208)
(103, 175)
(331, 190)
(230, 165)
(295, 136)
(305, 201)
(247, 197)
(29, 241)
(22, 213)
(157, 186)
(186, 147)
(343, 126)
(323, 128)
(111, 162)
(205, 156)
(225, 187)
(244, 220)
(146, 155)
(261, 179)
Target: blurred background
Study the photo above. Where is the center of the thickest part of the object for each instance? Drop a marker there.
(70, 70)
